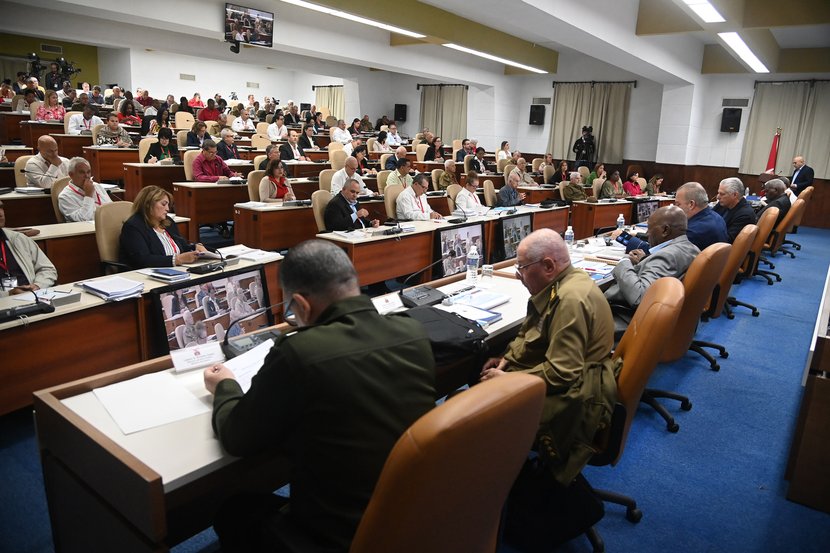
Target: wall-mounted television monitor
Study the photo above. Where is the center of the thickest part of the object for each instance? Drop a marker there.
(509, 232)
(249, 25)
(643, 209)
(191, 313)
(457, 239)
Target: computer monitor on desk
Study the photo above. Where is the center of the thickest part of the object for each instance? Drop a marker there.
(509, 232)
(452, 244)
(643, 208)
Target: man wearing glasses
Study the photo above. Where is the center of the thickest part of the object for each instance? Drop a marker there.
(412, 203)
(565, 340)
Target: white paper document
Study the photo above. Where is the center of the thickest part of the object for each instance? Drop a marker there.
(148, 401)
(245, 366)
(197, 357)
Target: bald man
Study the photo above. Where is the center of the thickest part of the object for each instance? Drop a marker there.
(775, 196)
(568, 330)
(43, 169)
(803, 175)
(671, 254)
(392, 161)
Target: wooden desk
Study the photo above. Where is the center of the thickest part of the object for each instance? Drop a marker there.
(300, 169)
(587, 217)
(10, 126)
(555, 218)
(139, 175)
(25, 210)
(317, 155)
(249, 155)
(7, 177)
(497, 178)
(108, 163)
(537, 194)
(206, 203)
(14, 152)
(322, 140)
(72, 145)
(30, 130)
(273, 227)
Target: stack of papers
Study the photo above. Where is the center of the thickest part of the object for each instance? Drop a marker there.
(114, 288)
(169, 275)
(482, 316)
(481, 299)
(31, 190)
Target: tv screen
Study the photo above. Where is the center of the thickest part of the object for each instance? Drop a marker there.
(248, 25)
(509, 233)
(457, 240)
(190, 313)
(643, 209)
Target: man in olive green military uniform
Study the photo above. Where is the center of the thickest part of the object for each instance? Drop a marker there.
(334, 397)
(573, 191)
(566, 339)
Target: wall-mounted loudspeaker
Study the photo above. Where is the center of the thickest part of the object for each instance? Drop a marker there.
(537, 114)
(400, 112)
(730, 121)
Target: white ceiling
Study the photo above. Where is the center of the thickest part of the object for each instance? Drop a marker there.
(807, 36)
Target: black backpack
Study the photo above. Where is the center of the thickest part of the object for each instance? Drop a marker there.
(452, 336)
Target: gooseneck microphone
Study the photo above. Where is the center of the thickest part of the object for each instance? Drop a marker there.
(230, 350)
(423, 295)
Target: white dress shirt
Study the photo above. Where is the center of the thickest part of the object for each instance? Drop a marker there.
(77, 123)
(338, 181)
(244, 125)
(341, 135)
(467, 202)
(408, 206)
(393, 140)
(76, 206)
(44, 174)
(276, 132)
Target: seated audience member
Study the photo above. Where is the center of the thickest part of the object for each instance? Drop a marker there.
(291, 150)
(82, 196)
(733, 207)
(366, 125)
(448, 176)
(51, 109)
(20, 84)
(96, 97)
(226, 149)
(653, 185)
(32, 86)
(392, 161)
(478, 164)
(318, 123)
(184, 106)
(277, 130)
(504, 151)
(631, 186)
(671, 254)
(145, 99)
(6, 92)
(350, 147)
(525, 178)
(382, 121)
(547, 161)
(343, 211)
(566, 339)
(81, 102)
(509, 195)
(45, 167)
(137, 108)
(307, 139)
(612, 187)
(341, 134)
(168, 103)
(149, 238)
(354, 130)
(361, 154)
(463, 151)
(401, 174)
(28, 99)
(116, 96)
(53, 79)
(272, 151)
(289, 117)
(349, 171)
(775, 197)
(209, 167)
(161, 121)
(412, 202)
(280, 410)
(467, 200)
(392, 137)
(127, 115)
(66, 96)
(380, 144)
(197, 134)
(435, 151)
(274, 186)
(26, 266)
(164, 148)
(112, 134)
(562, 174)
(196, 101)
(243, 123)
(210, 113)
(573, 191)
(597, 173)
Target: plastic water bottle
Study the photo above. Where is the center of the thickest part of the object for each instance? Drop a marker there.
(569, 236)
(620, 221)
(472, 265)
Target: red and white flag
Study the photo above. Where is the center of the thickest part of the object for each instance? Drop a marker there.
(773, 153)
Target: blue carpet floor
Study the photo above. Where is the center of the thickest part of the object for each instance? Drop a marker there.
(715, 486)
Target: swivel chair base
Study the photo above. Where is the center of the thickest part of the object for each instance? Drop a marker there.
(766, 261)
(786, 251)
(768, 276)
(732, 302)
(697, 347)
(650, 396)
(793, 243)
(632, 514)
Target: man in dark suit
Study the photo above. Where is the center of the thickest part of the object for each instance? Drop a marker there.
(292, 150)
(775, 197)
(307, 139)
(464, 151)
(802, 175)
(478, 164)
(344, 213)
(733, 207)
(392, 161)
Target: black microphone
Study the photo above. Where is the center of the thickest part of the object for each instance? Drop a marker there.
(36, 308)
(459, 219)
(423, 295)
(231, 351)
(37, 173)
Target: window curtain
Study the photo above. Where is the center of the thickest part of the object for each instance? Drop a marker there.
(604, 106)
(444, 111)
(332, 97)
(801, 110)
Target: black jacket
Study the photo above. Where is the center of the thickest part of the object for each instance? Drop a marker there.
(306, 143)
(140, 247)
(338, 215)
(227, 152)
(287, 154)
(155, 151)
(736, 218)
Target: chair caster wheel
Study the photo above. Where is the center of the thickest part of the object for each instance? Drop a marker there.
(715, 367)
(756, 313)
(686, 405)
(633, 515)
(672, 427)
(725, 354)
(730, 317)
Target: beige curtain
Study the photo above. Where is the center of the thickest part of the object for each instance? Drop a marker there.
(601, 105)
(332, 97)
(801, 110)
(444, 111)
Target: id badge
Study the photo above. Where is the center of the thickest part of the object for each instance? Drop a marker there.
(8, 282)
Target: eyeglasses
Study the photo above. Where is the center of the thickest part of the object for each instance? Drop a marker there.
(520, 268)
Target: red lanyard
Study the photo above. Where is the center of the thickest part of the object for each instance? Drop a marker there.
(4, 265)
(81, 194)
(419, 203)
(172, 242)
(87, 124)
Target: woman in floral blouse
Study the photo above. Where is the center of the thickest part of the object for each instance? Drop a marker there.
(51, 109)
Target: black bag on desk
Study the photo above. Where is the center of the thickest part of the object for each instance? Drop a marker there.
(452, 336)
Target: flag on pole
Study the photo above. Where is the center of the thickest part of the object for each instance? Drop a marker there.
(773, 152)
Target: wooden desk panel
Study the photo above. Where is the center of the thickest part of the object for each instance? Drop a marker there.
(589, 216)
(322, 140)
(139, 175)
(317, 155)
(26, 211)
(10, 127)
(212, 204)
(7, 177)
(497, 178)
(75, 257)
(554, 218)
(250, 154)
(273, 230)
(72, 145)
(371, 259)
(300, 170)
(31, 131)
(108, 163)
(535, 196)
(12, 153)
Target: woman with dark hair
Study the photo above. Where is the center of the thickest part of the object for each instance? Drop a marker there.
(360, 154)
(612, 187)
(319, 124)
(562, 174)
(380, 144)
(653, 185)
(597, 173)
(126, 113)
(504, 151)
(165, 148)
(355, 128)
(184, 106)
(631, 186)
(435, 151)
(197, 134)
(274, 187)
(162, 121)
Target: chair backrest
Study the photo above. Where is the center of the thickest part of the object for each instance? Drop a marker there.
(33, 107)
(212, 128)
(325, 179)
(19, 176)
(806, 193)
(319, 200)
(534, 165)
(259, 159)
(66, 118)
(109, 218)
(444, 450)
(116, 104)
(188, 158)
(597, 185)
(548, 172)
(260, 141)
(650, 328)
(95, 130)
(107, 92)
(456, 145)
(489, 194)
(370, 144)
(254, 178)
(765, 223)
(331, 120)
(269, 118)
(337, 158)
(452, 192)
(421, 151)
(57, 188)
(500, 164)
(740, 247)
(331, 131)
(585, 173)
(382, 176)
(468, 163)
(184, 120)
(435, 175)
(506, 170)
(230, 118)
(219, 332)
(561, 189)
(262, 128)
(179, 332)
(417, 140)
(390, 197)
(699, 283)
(631, 168)
(144, 147)
(779, 234)
(333, 146)
(181, 138)
(383, 158)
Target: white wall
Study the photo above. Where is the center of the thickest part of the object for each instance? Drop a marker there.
(114, 66)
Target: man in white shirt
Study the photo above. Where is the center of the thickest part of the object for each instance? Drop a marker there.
(349, 171)
(83, 123)
(353, 143)
(401, 174)
(243, 122)
(393, 139)
(412, 203)
(467, 200)
(277, 130)
(47, 166)
(82, 195)
(340, 134)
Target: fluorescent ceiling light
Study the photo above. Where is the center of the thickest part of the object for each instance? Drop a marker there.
(705, 11)
(351, 17)
(494, 58)
(737, 44)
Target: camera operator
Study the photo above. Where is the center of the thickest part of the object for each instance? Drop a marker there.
(54, 79)
(584, 147)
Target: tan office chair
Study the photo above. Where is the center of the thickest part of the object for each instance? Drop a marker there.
(331, 132)
(421, 151)
(390, 197)
(805, 195)
(212, 128)
(230, 119)
(325, 179)
(66, 118)
(596, 186)
(548, 173)
(383, 159)
(775, 241)
(561, 189)
(57, 188)
(262, 128)
(468, 163)
(337, 159)
(184, 120)
(16, 99)
(490, 194)
(19, 175)
(333, 146)
(260, 141)
(319, 200)
(33, 107)
(144, 147)
(534, 165)
(456, 145)
(452, 192)
(721, 300)
(416, 141)
(506, 171)
(95, 130)
(382, 176)
(331, 120)
(259, 159)
(370, 144)
(632, 168)
(384, 128)
(502, 163)
(181, 138)
(584, 173)
(109, 218)
(641, 182)
(750, 267)
(108, 92)
(443, 450)
(435, 175)
(254, 178)
(269, 118)
(188, 158)
(116, 104)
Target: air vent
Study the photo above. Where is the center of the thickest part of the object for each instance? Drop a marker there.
(252, 85)
(51, 49)
(186, 77)
(735, 102)
(545, 101)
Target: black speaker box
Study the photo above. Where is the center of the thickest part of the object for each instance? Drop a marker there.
(400, 112)
(537, 114)
(730, 121)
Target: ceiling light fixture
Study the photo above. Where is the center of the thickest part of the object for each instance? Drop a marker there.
(352, 17)
(494, 58)
(705, 11)
(737, 44)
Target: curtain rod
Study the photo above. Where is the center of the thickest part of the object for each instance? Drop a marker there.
(592, 83)
(811, 81)
(419, 85)
(315, 87)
